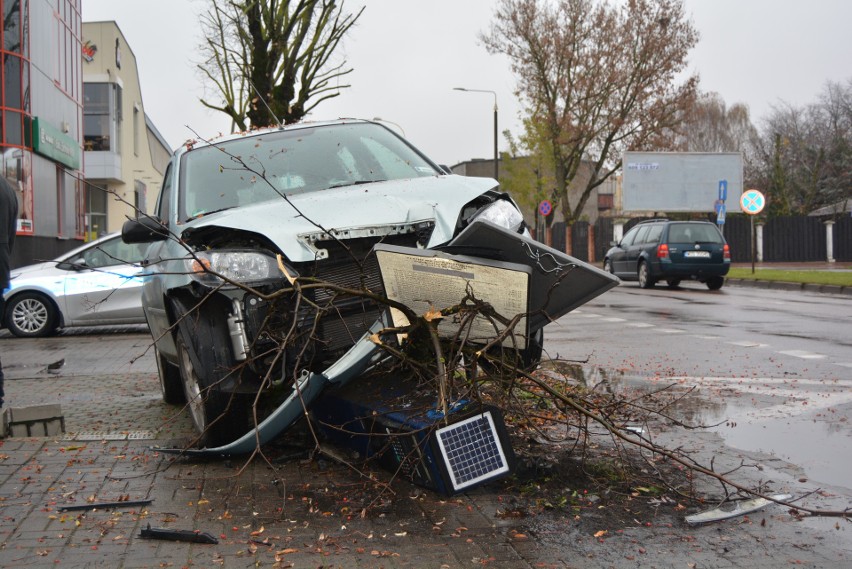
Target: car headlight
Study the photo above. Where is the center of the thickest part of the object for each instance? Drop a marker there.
(237, 266)
(502, 213)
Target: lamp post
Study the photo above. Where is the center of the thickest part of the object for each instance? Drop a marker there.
(496, 156)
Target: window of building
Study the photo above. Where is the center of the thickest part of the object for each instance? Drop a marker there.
(139, 191)
(60, 201)
(135, 131)
(96, 211)
(12, 27)
(102, 116)
(17, 165)
(67, 68)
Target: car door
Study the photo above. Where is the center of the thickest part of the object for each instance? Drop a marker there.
(105, 287)
(618, 256)
(634, 250)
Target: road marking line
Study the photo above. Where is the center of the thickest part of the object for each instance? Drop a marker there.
(640, 325)
(588, 315)
(705, 337)
(805, 355)
(670, 330)
(844, 364)
(614, 319)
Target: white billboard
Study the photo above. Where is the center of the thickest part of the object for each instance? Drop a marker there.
(680, 181)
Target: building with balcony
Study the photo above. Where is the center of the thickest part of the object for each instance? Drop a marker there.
(124, 153)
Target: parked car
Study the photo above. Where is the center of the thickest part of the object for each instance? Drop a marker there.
(98, 283)
(671, 251)
(240, 217)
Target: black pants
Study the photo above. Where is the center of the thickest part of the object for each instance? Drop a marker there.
(2, 312)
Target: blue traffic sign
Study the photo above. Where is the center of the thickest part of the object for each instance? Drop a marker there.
(720, 215)
(723, 190)
(752, 202)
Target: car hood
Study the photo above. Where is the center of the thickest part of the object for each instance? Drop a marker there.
(38, 269)
(436, 199)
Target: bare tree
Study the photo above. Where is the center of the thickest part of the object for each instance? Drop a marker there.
(601, 79)
(712, 126)
(806, 153)
(272, 60)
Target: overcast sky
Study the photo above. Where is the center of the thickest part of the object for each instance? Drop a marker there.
(408, 55)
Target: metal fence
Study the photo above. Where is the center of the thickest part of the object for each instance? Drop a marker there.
(785, 239)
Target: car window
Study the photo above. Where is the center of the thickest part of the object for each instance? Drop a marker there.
(114, 252)
(694, 233)
(628, 239)
(273, 165)
(654, 233)
(164, 200)
(640, 236)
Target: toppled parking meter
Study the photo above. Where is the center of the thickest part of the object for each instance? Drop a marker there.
(397, 423)
(390, 419)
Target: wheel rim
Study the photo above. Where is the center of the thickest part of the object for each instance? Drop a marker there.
(643, 275)
(194, 398)
(30, 315)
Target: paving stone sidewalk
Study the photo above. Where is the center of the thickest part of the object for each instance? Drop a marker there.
(285, 510)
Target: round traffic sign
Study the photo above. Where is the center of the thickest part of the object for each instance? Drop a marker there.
(752, 202)
(545, 207)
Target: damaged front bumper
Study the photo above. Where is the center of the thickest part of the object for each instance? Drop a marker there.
(557, 283)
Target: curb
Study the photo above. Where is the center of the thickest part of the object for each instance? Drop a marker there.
(783, 285)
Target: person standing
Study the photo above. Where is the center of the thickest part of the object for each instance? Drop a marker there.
(8, 227)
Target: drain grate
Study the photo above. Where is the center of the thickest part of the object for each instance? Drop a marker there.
(109, 436)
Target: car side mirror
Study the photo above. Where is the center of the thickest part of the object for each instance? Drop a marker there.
(78, 264)
(145, 229)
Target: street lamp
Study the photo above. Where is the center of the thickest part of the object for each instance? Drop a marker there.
(496, 156)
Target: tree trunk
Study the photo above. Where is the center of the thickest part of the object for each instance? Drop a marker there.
(569, 246)
(591, 244)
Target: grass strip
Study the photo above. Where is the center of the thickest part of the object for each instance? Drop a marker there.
(838, 278)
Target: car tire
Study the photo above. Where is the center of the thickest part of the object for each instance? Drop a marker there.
(203, 349)
(31, 315)
(715, 283)
(171, 384)
(673, 283)
(607, 267)
(644, 274)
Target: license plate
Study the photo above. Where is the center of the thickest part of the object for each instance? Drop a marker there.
(697, 254)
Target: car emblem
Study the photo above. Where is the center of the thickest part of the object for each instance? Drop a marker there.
(697, 246)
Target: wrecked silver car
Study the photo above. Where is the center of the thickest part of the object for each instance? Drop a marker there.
(263, 278)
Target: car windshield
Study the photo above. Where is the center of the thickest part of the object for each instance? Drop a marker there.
(694, 233)
(280, 163)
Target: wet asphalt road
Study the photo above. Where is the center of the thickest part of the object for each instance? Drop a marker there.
(777, 364)
(772, 368)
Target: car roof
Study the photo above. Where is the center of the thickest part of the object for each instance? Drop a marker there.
(191, 144)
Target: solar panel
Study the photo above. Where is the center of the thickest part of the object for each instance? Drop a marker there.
(472, 450)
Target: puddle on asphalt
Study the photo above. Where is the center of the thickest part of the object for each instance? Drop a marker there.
(766, 415)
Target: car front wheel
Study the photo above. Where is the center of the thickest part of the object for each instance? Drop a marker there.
(31, 315)
(207, 372)
(607, 266)
(210, 408)
(171, 384)
(645, 280)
